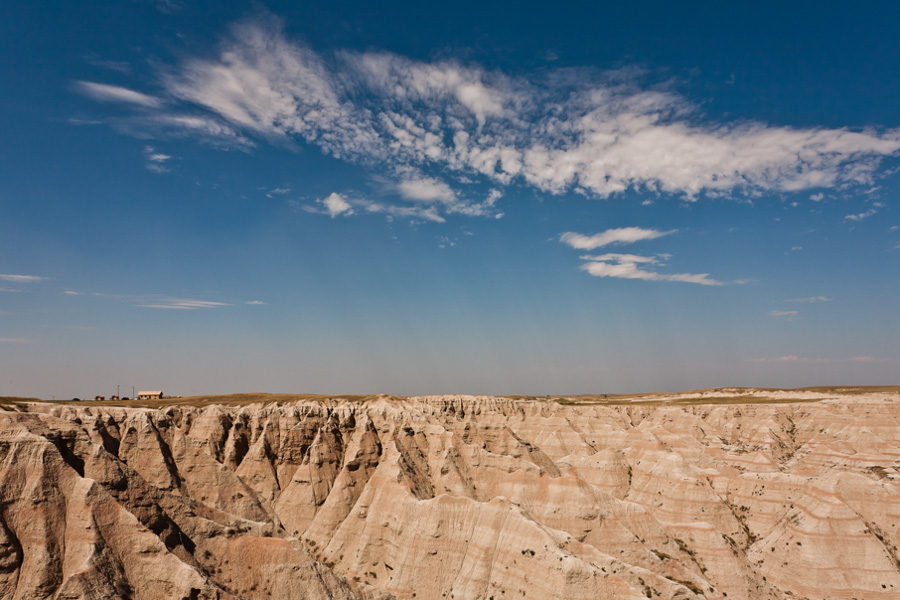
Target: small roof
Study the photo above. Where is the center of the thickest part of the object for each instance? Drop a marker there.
(150, 393)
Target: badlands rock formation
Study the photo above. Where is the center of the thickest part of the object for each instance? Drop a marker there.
(735, 494)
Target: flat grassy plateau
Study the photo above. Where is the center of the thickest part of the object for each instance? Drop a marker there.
(714, 396)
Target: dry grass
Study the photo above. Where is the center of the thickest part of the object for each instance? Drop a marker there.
(726, 396)
(232, 400)
(854, 390)
(13, 401)
(716, 400)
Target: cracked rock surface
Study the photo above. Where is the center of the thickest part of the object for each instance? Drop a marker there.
(456, 497)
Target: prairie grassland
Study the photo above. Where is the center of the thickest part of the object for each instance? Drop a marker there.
(235, 400)
(711, 396)
(10, 402)
(715, 400)
(728, 395)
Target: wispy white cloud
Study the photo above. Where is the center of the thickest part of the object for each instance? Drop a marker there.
(156, 161)
(792, 358)
(336, 204)
(628, 266)
(279, 191)
(9, 290)
(110, 65)
(430, 191)
(114, 93)
(255, 302)
(810, 299)
(869, 359)
(21, 278)
(592, 133)
(83, 121)
(784, 314)
(862, 215)
(157, 157)
(205, 129)
(634, 258)
(71, 293)
(631, 266)
(418, 213)
(183, 304)
(622, 235)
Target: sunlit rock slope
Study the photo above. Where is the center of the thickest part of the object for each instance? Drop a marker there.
(720, 494)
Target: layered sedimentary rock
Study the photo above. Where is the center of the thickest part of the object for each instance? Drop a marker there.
(704, 496)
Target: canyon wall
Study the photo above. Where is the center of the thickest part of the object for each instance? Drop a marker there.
(453, 497)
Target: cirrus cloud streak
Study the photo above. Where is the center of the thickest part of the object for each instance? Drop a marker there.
(434, 126)
(621, 235)
(21, 278)
(628, 266)
(113, 93)
(183, 304)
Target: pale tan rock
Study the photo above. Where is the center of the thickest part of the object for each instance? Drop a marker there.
(456, 497)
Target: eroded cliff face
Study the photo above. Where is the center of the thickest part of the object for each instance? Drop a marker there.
(452, 497)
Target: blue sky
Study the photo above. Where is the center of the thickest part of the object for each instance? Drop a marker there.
(409, 198)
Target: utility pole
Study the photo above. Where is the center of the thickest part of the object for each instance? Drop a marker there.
(117, 390)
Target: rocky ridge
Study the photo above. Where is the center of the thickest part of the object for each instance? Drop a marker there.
(455, 497)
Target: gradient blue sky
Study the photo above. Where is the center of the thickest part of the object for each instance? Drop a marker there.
(466, 197)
